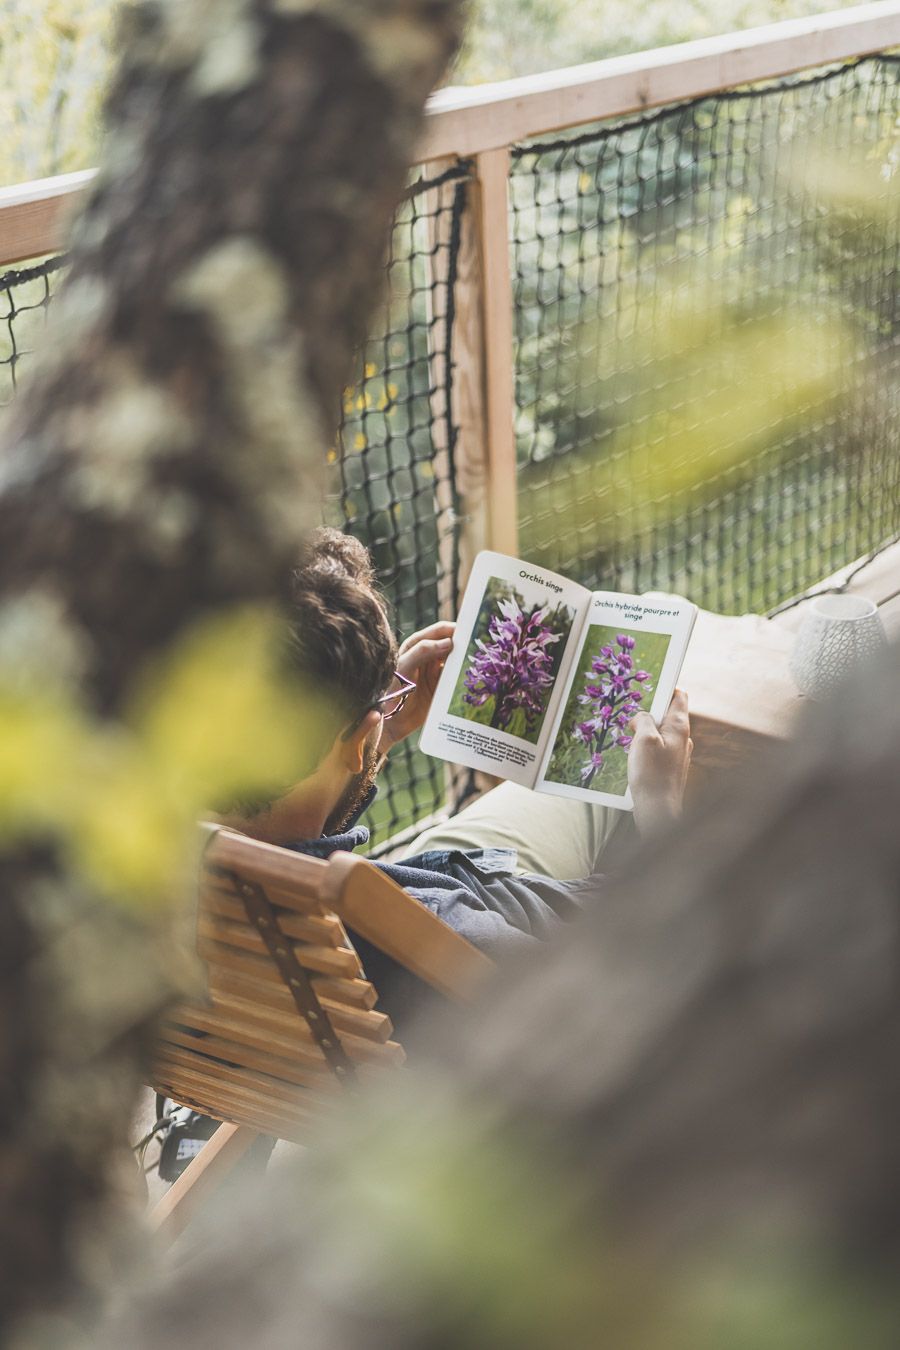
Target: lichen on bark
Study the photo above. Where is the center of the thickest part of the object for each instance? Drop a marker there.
(161, 467)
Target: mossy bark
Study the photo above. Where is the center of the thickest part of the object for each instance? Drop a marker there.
(163, 464)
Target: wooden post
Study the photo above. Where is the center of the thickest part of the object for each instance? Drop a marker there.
(215, 1161)
(469, 390)
(481, 374)
(460, 479)
(484, 505)
(439, 223)
(482, 366)
(492, 223)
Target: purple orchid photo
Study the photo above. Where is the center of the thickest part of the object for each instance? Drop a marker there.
(615, 677)
(612, 694)
(512, 661)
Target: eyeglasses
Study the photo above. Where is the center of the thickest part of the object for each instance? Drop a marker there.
(394, 700)
(389, 704)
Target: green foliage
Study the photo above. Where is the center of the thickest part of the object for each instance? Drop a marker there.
(520, 37)
(487, 1237)
(55, 59)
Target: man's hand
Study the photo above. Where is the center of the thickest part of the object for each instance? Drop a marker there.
(658, 764)
(421, 658)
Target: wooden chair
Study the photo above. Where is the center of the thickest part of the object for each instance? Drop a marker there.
(290, 1019)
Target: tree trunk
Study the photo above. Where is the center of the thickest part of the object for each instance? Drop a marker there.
(164, 464)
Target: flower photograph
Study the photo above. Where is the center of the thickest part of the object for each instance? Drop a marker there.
(512, 659)
(616, 679)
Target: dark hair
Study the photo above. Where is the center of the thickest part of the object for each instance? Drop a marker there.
(340, 640)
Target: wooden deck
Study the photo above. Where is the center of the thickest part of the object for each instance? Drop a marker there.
(737, 676)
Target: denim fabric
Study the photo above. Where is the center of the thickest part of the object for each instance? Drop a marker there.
(477, 893)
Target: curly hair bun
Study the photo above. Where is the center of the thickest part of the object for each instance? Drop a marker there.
(330, 551)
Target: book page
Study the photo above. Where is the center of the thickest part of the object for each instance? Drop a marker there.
(496, 696)
(631, 653)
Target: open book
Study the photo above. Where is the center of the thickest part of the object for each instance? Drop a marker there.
(545, 677)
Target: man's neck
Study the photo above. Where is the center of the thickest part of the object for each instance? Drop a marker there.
(299, 814)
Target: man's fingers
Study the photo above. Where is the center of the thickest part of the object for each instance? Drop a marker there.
(422, 653)
(676, 721)
(642, 724)
(435, 632)
(679, 704)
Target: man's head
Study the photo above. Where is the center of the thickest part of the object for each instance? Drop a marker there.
(340, 639)
(341, 643)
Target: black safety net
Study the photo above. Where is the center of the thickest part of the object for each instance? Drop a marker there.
(392, 469)
(707, 325)
(24, 298)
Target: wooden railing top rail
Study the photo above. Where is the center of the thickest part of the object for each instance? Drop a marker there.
(470, 121)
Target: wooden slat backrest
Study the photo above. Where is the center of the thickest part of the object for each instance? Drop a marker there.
(245, 1054)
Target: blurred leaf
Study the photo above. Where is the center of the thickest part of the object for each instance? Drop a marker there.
(41, 742)
(708, 386)
(221, 717)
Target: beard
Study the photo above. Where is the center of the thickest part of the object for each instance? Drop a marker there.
(354, 794)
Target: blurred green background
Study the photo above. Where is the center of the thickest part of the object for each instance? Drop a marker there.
(55, 57)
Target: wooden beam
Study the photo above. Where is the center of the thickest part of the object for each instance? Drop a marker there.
(33, 215)
(437, 201)
(470, 390)
(218, 1157)
(470, 121)
(492, 217)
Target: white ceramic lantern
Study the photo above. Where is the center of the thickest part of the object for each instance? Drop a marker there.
(838, 636)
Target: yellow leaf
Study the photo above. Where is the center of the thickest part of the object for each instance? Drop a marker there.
(220, 716)
(129, 839)
(41, 750)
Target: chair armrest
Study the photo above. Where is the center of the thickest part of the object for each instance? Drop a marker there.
(398, 925)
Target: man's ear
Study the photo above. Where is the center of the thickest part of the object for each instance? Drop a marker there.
(352, 749)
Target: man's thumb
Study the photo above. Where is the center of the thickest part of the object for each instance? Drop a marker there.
(642, 724)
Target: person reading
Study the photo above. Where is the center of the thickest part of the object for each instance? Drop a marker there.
(505, 871)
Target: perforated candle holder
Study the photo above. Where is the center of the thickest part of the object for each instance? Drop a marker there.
(840, 635)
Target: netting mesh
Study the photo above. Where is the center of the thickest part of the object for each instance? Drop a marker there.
(24, 298)
(393, 483)
(707, 340)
